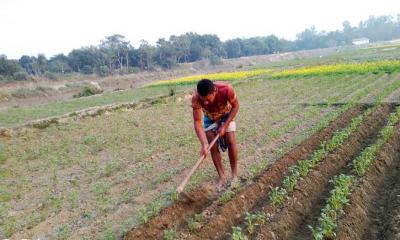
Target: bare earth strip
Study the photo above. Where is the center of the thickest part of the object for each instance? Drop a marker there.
(374, 210)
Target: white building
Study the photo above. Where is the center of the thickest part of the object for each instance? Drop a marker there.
(360, 41)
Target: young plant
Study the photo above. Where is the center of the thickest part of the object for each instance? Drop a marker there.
(316, 233)
(155, 206)
(143, 215)
(198, 217)
(173, 195)
(334, 206)
(226, 196)
(277, 195)
(303, 167)
(250, 222)
(261, 218)
(63, 232)
(194, 222)
(170, 234)
(237, 234)
(256, 168)
(289, 182)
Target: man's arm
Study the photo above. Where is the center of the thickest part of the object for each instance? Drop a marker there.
(235, 108)
(231, 116)
(198, 127)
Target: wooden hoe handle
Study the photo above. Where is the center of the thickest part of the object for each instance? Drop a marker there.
(187, 177)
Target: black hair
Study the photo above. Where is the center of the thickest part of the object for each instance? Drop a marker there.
(205, 87)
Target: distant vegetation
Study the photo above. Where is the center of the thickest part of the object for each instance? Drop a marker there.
(115, 55)
(226, 76)
(387, 66)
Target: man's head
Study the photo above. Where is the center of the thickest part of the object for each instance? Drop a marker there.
(206, 90)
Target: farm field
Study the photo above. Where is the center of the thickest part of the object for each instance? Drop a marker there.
(18, 116)
(309, 144)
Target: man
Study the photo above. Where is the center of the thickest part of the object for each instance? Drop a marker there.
(218, 102)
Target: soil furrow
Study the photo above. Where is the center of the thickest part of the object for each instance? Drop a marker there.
(374, 210)
(311, 192)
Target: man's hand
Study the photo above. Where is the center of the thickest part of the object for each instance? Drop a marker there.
(222, 130)
(203, 151)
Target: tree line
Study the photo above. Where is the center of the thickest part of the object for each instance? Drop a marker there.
(115, 54)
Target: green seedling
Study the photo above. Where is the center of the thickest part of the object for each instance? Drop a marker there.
(170, 234)
(226, 196)
(143, 215)
(250, 222)
(277, 196)
(237, 234)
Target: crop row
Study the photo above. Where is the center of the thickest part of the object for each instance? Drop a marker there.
(278, 195)
(339, 195)
(364, 161)
(302, 168)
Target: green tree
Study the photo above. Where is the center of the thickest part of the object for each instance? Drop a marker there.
(233, 48)
(8, 67)
(41, 64)
(146, 55)
(59, 64)
(117, 50)
(166, 55)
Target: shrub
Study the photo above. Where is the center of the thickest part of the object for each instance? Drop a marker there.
(51, 76)
(87, 69)
(20, 76)
(26, 92)
(4, 96)
(215, 60)
(3, 79)
(44, 90)
(88, 91)
(103, 71)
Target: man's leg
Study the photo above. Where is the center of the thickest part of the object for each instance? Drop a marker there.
(232, 152)
(216, 157)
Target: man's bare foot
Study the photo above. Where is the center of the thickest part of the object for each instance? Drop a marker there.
(221, 183)
(235, 183)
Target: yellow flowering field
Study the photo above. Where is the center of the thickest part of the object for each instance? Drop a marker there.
(224, 76)
(359, 68)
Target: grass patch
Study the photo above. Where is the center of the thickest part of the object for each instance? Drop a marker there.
(11, 117)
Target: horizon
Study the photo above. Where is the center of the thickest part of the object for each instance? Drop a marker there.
(59, 27)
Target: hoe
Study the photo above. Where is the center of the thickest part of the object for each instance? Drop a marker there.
(187, 177)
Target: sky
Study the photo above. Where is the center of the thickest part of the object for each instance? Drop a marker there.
(30, 27)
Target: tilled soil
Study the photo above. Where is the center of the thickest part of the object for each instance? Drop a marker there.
(374, 210)
(305, 204)
(251, 196)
